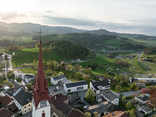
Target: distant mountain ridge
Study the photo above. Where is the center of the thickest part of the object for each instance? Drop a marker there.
(24, 29)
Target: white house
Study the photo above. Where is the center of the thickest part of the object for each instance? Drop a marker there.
(22, 99)
(75, 86)
(28, 77)
(142, 98)
(110, 96)
(56, 79)
(145, 109)
(99, 85)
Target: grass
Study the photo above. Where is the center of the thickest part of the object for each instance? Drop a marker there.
(28, 70)
(31, 54)
(73, 79)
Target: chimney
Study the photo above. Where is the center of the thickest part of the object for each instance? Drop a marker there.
(55, 97)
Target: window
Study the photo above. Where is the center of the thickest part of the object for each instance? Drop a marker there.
(69, 90)
(25, 111)
(25, 107)
(79, 88)
(29, 105)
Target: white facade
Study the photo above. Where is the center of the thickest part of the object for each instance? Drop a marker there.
(41, 110)
(55, 82)
(140, 101)
(115, 101)
(97, 91)
(75, 88)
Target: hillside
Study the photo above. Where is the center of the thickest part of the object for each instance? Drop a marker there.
(94, 41)
(54, 50)
(25, 29)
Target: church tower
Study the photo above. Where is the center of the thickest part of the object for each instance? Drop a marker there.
(41, 99)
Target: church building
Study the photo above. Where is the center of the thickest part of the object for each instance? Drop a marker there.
(41, 100)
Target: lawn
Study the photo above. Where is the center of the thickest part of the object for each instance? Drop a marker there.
(28, 70)
(31, 54)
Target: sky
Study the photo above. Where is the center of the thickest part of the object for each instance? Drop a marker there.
(126, 16)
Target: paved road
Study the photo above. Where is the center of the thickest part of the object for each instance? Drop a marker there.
(140, 56)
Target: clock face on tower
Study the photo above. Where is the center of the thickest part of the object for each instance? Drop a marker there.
(43, 103)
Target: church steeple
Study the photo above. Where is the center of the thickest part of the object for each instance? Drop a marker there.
(40, 86)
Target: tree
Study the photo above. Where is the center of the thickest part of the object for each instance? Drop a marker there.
(145, 90)
(133, 86)
(131, 113)
(153, 97)
(90, 96)
(11, 75)
(96, 114)
(128, 105)
(87, 114)
(126, 80)
(123, 100)
(118, 88)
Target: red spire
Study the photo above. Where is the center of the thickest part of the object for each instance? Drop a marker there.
(40, 86)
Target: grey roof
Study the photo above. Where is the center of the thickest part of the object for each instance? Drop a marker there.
(143, 97)
(29, 76)
(99, 109)
(146, 108)
(113, 108)
(100, 83)
(22, 96)
(109, 94)
(59, 77)
(65, 108)
(73, 97)
(11, 91)
(76, 84)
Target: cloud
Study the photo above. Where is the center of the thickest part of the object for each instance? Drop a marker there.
(10, 15)
(140, 28)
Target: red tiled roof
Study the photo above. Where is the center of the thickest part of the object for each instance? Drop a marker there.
(12, 107)
(5, 113)
(58, 98)
(76, 113)
(6, 100)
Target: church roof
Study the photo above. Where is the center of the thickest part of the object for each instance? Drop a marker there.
(40, 86)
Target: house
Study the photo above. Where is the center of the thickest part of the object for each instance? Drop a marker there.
(117, 114)
(99, 85)
(110, 96)
(75, 86)
(22, 99)
(59, 98)
(28, 78)
(64, 110)
(142, 98)
(56, 79)
(73, 97)
(145, 109)
(6, 101)
(102, 78)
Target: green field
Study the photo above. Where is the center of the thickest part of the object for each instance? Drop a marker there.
(31, 54)
(24, 38)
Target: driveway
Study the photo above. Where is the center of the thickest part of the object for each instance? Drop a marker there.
(56, 89)
(129, 93)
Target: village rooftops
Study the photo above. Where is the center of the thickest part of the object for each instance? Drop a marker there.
(117, 114)
(29, 76)
(58, 98)
(74, 84)
(22, 96)
(143, 97)
(6, 100)
(109, 94)
(100, 83)
(59, 77)
(5, 113)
